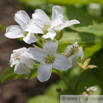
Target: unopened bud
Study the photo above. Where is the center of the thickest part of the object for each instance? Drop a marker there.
(58, 89)
(59, 34)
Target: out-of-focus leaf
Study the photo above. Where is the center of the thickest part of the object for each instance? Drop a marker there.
(80, 14)
(2, 27)
(71, 37)
(43, 99)
(96, 29)
(69, 2)
(8, 73)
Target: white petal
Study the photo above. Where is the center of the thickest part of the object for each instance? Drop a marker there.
(22, 18)
(21, 69)
(40, 17)
(69, 23)
(37, 54)
(14, 63)
(81, 53)
(50, 46)
(27, 61)
(51, 34)
(30, 38)
(20, 50)
(14, 31)
(68, 49)
(33, 28)
(74, 58)
(44, 72)
(61, 62)
(57, 22)
(56, 11)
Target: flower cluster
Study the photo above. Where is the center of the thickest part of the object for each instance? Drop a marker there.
(23, 59)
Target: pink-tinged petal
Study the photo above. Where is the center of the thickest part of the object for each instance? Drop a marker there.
(44, 72)
(33, 28)
(22, 18)
(21, 69)
(56, 11)
(14, 31)
(61, 62)
(50, 46)
(27, 61)
(51, 34)
(37, 54)
(69, 23)
(57, 22)
(41, 18)
(30, 38)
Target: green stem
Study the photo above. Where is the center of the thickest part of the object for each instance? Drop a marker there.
(66, 82)
(76, 87)
(38, 42)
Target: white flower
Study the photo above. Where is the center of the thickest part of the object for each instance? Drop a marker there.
(49, 59)
(43, 25)
(16, 31)
(21, 60)
(57, 11)
(72, 52)
(91, 89)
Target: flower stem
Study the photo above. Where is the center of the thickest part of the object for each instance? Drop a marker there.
(38, 42)
(66, 82)
(76, 87)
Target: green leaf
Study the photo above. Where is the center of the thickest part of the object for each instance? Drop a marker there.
(69, 2)
(9, 74)
(71, 37)
(2, 27)
(42, 99)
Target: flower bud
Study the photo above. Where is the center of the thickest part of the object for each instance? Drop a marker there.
(58, 89)
(59, 34)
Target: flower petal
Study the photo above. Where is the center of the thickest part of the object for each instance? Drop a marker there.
(22, 18)
(27, 61)
(57, 22)
(37, 54)
(14, 31)
(73, 59)
(21, 69)
(30, 38)
(33, 28)
(51, 34)
(44, 72)
(56, 11)
(61, 62)
(41, 18)
(81, 53)
(50, 46)
(69, 23)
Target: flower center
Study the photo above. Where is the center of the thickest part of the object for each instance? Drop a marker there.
(49, 59)
(17, 57)
(25, 33)
(45, 28)
(72, 51)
